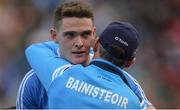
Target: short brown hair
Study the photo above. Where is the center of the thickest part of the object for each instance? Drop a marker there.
(75, 8)
(117, 61)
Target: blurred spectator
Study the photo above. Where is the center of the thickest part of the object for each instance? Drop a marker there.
(17, 20)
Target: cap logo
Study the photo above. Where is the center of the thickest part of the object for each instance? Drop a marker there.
(121, 41)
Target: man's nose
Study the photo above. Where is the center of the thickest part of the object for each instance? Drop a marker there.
(79, 42)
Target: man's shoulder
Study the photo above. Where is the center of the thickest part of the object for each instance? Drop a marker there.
(31, 93)
(30, 81)
(31, 86)
(76, 68)
(67, 70)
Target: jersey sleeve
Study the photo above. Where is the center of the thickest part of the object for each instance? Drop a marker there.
(44, 61)
(27, 97)
(136, 88)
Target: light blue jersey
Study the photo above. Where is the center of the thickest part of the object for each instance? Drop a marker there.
(44, 60)
(31, 94)
(97, 86)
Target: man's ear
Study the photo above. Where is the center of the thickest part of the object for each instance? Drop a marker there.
(53, 35)
(93, 37)
(94, 32)
(96, 48)
(96, 44)
(130, 62)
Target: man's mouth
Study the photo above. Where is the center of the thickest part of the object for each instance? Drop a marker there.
(78, 52)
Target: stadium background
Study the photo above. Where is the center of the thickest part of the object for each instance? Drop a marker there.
(158, 61)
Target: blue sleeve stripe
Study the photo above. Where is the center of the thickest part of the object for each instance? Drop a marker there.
(59, 71)
(143, 105)
(139, 88)
(58, 54)
(19, 99)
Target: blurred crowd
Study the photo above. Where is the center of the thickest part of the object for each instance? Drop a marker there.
(23, 22)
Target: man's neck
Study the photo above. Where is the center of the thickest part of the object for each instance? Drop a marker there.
(88, 61)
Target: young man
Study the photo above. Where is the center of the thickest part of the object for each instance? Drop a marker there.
(101, 84)
(70, 19)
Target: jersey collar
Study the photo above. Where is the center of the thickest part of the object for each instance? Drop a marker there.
(108, 66)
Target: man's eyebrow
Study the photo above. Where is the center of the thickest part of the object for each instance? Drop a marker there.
(69, 32)
(87, 31)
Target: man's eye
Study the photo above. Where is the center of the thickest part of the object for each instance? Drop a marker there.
(69, 34)
(86, 34)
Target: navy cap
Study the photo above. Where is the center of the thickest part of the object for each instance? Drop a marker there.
(123, 35)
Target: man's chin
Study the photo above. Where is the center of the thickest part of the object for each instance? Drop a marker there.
(80, 61)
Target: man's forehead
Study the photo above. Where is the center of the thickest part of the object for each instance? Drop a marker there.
(78, 25)
(77, 31)
(76, 22)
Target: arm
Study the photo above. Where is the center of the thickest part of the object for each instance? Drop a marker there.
(136, 88)
(31, 94)
(43, 59)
